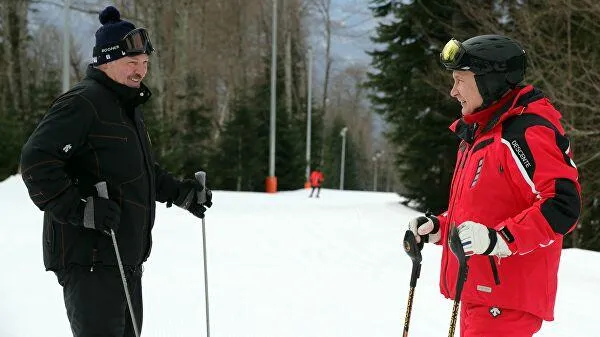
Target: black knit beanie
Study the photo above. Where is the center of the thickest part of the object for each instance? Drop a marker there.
(108, 36)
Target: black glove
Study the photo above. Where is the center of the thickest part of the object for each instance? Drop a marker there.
(101, 214)
(188, 197)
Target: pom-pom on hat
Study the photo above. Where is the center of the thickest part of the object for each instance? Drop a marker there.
(113, 29)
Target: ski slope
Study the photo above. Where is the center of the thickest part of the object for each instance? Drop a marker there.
(279, 265)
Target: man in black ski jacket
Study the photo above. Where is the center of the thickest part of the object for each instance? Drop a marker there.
(93, 135)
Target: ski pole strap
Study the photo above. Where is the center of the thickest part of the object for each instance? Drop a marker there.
(492, 234)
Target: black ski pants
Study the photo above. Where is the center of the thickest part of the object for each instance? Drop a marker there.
(318, 188)
(96, 303)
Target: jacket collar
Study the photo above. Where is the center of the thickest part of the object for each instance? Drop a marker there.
(515, 102)
(131, 97)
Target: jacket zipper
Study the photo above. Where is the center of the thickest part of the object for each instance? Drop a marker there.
(458, 175)
(139, 125)
(494, 270)
(94, 258)
(50, 240)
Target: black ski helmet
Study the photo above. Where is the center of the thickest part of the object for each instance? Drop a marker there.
(498, 63)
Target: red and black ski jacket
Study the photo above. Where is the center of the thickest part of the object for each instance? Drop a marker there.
(514, 173)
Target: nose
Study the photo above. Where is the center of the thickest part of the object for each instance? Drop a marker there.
(454, 91)
(141, 69)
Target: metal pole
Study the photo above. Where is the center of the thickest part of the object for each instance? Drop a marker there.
(103, 193)
(387, 178)
(412, 248)
(463, 270)
(273, 90)
(309, 114)
(125, 287)
(343, 162)
(201, 177)
(66, 54)
(206, 307)
(374, 173)
(375, 158)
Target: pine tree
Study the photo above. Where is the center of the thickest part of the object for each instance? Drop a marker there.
(239, 162)
(242, 157)
(333, 159)
(180, 139)
(411, 93)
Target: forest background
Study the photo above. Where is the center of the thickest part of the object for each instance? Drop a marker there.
(375, 71)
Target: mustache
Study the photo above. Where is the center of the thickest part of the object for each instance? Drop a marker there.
(136, 77)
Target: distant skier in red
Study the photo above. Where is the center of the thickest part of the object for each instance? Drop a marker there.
(316, 178)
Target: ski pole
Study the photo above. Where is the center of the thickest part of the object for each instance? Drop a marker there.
(103, 193)
(413, 249)
(457, 248)
(201, 177)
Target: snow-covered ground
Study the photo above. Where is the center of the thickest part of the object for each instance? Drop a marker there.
(279, 265)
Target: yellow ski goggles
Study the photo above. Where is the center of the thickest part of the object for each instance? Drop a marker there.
(452, 54)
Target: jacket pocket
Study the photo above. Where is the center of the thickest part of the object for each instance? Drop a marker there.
(112, 149)
(49, 233)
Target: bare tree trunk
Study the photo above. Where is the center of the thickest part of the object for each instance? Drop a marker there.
(16, 30)
(324, 10)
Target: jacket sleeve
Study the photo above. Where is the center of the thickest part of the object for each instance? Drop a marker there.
(59, 136)
(443, 219)
(166, 185)
(538, 161)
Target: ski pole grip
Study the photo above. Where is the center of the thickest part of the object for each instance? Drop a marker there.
(456, 246)
(411, 247)
(103, 193)
(102, 189)
(201, 177)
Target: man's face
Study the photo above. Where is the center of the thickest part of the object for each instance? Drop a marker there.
(465, 91)
(128, 70)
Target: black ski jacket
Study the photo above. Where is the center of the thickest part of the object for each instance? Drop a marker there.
(94, 132)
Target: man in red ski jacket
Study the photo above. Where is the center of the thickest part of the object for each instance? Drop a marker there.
(316, 178)
(514, 194)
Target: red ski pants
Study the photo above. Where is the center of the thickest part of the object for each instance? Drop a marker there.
(484, 321)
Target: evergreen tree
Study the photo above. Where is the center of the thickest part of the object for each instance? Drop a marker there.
(180, 139)
(333, 159)
(412, 94)
(242, 157)
(239, 162)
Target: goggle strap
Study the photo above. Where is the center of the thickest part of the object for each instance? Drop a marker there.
(107, 53)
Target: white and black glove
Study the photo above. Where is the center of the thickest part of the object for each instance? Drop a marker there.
(426, 227)
(479, 239)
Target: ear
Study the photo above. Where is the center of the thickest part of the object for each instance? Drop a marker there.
(513, 78)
